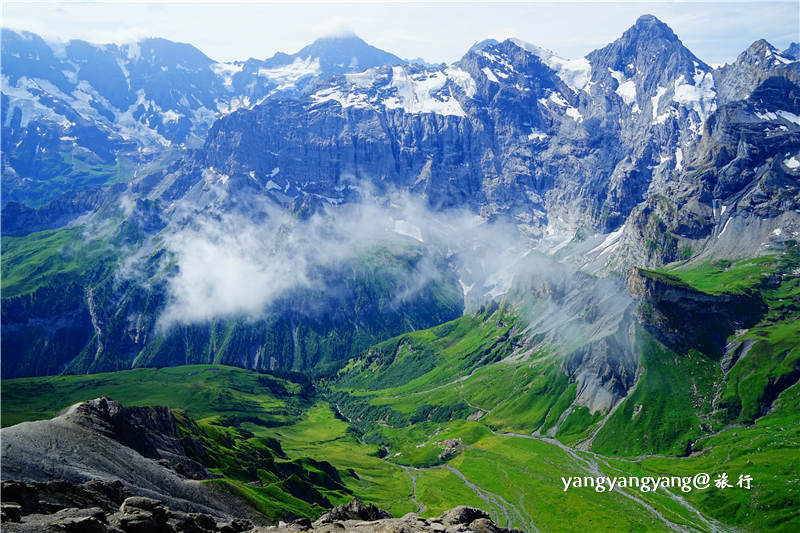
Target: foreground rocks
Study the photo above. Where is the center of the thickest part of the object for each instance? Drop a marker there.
(36, 511)
(137, 514)
(362, 518)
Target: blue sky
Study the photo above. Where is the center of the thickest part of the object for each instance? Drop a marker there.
(715, 31)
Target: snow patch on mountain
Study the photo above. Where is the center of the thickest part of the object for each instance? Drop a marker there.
(699, 96)
(345, 99)
(575, 73)
(24, 96)
(287, 76)
(610, 242)
(626, 89)
(489, 74)
(655, 101)
(791, 117)
(574, 114)
(462, 79)
(422, 92)
(678, 159)
(535, 135)
(226, 71)
(364, 79)
(170, 116)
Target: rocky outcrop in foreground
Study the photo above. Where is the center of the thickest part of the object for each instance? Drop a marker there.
(94, 507)
(358, 517)
(31, 507)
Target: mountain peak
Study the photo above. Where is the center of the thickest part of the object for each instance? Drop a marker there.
(339, 36)
(346, 51)
(647, 39)
(760, 47)
(792, 51)
(480, 45)
(651, 27)
(648, 19)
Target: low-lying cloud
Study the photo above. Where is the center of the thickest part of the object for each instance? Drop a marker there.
(228, 265)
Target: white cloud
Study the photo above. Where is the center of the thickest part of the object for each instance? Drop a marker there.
(333, 27)
(228, 265)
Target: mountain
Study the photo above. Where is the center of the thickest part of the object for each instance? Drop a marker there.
(81, 115)
(442, 284)
(527, 123)
(793, 51)
(345, 53)
(668, 151)
(752, 67)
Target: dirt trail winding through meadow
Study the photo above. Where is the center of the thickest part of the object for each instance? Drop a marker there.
(592, 467)
(494, 501)
(420, 507)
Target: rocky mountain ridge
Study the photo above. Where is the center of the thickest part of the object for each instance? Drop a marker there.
(505, 131)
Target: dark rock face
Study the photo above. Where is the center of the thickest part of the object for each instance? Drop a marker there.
(683, 318)
(151, 431)
(50, 496)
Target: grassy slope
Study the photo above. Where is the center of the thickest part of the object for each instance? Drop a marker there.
(766, 450)
(49, 258)
(458, 364)
(202, 391)
(671, 407)
(773, 361)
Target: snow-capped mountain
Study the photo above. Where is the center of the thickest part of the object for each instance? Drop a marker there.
(567, 149)
(99, 102)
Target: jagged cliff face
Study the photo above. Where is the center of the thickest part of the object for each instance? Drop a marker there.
(509, 130)
(562, 148)
(684, 318)
(738, 193)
